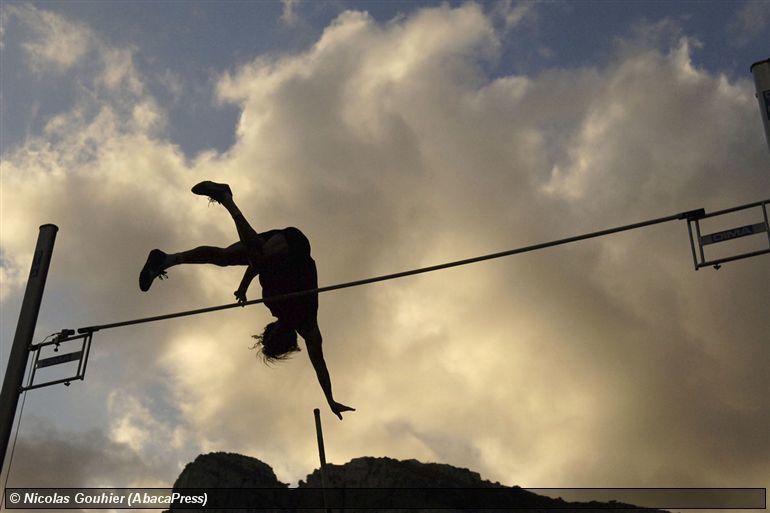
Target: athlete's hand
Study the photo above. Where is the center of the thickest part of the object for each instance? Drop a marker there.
(240, 296)
(338, 408)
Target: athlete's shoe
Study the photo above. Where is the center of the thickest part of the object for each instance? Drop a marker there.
(216, 191)
(152, 269)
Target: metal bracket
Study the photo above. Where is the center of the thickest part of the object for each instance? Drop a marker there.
(698, 241)
(80, 356)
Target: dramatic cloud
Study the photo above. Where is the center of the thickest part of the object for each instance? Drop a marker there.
(50, 457)
(57, 43)
(604, 363)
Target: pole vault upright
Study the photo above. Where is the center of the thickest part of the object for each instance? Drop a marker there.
(761, 72)
(25, 330)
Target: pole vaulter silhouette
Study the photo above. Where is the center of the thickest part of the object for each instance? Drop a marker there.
(282, 260)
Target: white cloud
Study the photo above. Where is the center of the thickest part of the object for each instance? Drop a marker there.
(3, 22)
(104, 79)
(289, 15)
(513, 14)
(119, 71)
(134, 424)
(391, 148)
(58, 43)
(48, 456)
(484, 164)
(174, 83)
(648, 95)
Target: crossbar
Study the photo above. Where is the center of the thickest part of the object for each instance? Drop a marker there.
(688, 215)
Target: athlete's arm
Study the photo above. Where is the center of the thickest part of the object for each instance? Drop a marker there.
(248, 276)
(313, 341)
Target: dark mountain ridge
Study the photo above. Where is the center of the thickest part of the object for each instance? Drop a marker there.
(371, 484)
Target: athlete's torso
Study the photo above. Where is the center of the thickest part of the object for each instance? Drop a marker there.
(290, 273)
(297, 246)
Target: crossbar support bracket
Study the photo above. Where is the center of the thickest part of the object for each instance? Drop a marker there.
(699, 241)
(80, 356)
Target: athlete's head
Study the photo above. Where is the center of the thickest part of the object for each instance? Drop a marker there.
(276, 342)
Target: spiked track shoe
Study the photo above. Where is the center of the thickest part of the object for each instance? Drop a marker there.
(216, 191)
(152, 269)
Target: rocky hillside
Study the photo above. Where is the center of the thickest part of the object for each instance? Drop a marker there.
(227, 470)
(367, 479)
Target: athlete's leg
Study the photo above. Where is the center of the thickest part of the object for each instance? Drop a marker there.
(248, 235)
(158, 261)
(235, 254)
(221, 193)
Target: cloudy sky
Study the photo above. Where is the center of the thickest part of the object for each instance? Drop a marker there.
(395, 135)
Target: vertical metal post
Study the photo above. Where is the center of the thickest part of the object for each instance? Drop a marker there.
(25, 330)
(700, 243)
(692, 244)
(761, 72)
(322, 454)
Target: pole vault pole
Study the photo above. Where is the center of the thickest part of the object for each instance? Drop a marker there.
(322, 456)
(25, 330)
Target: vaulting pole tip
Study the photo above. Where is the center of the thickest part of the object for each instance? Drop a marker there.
(321, 454)
(320, 437)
